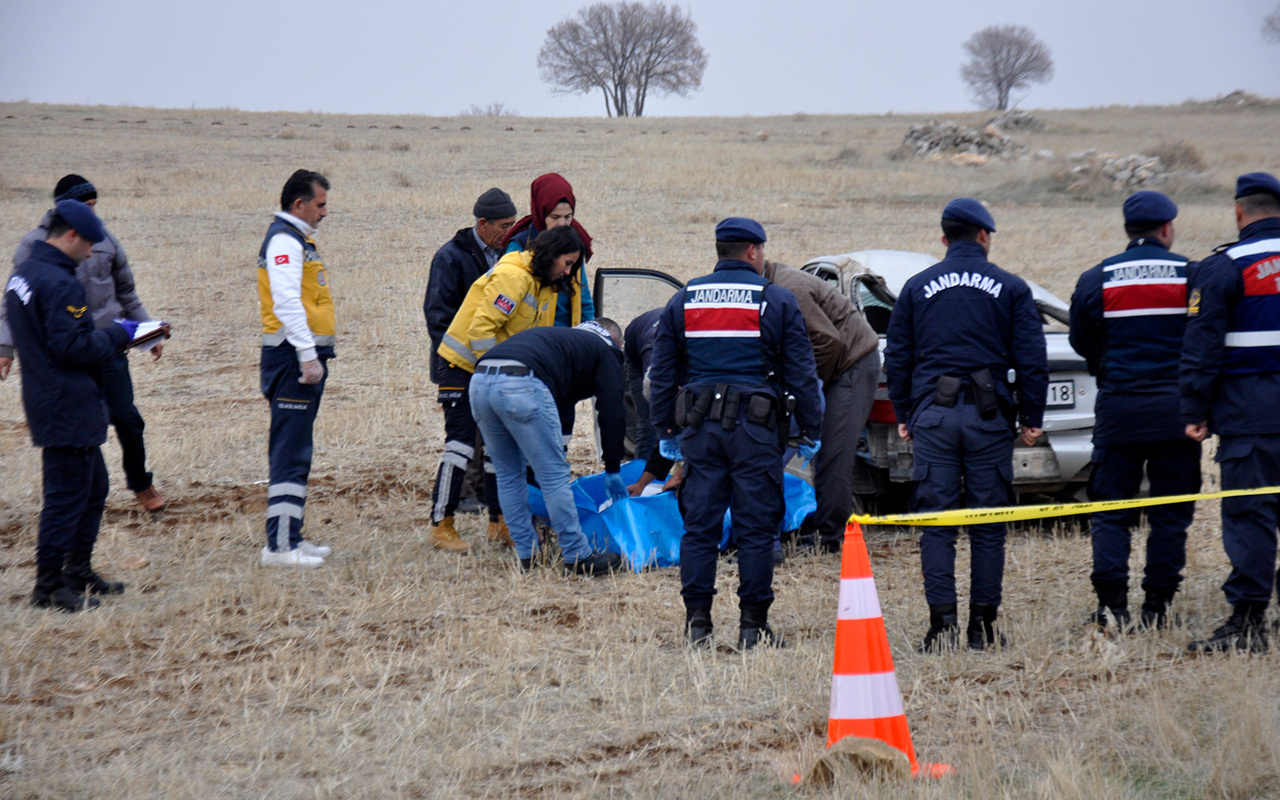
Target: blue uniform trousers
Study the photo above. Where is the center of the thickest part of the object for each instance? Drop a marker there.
(739, 470)
(1249, 523)
(75, 492)
(117, 390)
(293, 414)
(646, 437)
(1172, 467)
(961, 461)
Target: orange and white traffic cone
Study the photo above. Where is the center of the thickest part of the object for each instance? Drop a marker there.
(865, 699)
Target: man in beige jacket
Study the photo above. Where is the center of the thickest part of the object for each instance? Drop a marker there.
(847, 353)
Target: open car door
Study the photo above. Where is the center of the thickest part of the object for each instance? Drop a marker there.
(622, 295)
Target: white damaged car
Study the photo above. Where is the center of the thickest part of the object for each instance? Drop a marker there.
(1057, 465)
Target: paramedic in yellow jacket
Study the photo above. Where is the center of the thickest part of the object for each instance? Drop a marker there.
(297, 343)
(520, 292)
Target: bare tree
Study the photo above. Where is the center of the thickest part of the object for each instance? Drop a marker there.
(1271, 26)
(626, 50)
(1003, 58)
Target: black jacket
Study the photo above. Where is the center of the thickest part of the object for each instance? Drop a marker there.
(454, 268)
(60, 352)
(574, 364)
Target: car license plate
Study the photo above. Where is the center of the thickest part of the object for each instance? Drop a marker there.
(1062, 394)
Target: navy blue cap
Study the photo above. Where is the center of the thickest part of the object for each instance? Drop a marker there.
(1151, 208)
(740, 229)
(970, 212)
(82, 219)
(1257, 183)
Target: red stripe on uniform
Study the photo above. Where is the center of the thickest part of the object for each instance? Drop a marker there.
(1148, 295)
(722, 319)
(1268, 283)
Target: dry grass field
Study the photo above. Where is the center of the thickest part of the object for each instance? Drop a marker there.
(398, 671)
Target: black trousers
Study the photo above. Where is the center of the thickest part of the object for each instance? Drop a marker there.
(460, 445)
(75, 492)
(117, 388)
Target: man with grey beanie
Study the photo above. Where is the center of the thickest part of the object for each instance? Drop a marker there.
(110, 292)
(459, 263)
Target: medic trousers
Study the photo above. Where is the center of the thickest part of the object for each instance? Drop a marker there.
(289, 446)
(459, 448)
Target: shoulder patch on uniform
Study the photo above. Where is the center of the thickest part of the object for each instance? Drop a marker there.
(282, 259)
(77, 312)
(1193, 303)
(505, 304)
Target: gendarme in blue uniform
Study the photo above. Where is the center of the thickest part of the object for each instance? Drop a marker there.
(732, 335)
(1230, 376)
(959, 317)
(1128, 315)
(62, 358)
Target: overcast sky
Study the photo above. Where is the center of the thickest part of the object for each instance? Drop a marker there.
(766, 57)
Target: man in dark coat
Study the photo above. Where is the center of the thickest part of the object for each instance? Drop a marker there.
(469, 254)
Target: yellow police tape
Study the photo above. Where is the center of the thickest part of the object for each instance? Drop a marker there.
(975, 516)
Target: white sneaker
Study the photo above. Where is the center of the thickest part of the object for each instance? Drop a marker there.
(318, 550)
(290, 558)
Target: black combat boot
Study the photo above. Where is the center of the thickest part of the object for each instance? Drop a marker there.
(51, 592)
(944, 629)
(1113, 605)
(1245, 630)
(79, 577)
(698, 627)
(754, 631)
(1155, 609)
(982, 627)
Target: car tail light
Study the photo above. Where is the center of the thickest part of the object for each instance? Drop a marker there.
(882, 411)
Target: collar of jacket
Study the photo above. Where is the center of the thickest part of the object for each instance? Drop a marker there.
(1259, 227)
(1146, 241)
(48, 254)
(734, 263)
(966, 249)
(306, 229)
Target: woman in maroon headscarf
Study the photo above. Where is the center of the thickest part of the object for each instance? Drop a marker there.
(553, 205)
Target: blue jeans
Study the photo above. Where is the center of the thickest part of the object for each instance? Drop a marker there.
(520, 424)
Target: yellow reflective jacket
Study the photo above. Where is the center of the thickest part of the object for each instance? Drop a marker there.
(502, 302)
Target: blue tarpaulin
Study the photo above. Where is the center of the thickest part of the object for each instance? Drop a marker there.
(646, 531)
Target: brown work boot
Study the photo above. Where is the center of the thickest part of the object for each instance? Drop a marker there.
(151, 500)
(444, 537)
(498, 532)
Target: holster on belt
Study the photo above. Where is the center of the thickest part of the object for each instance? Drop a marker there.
(947, 391)
(729, 409)
(984, 393)
(692, 407)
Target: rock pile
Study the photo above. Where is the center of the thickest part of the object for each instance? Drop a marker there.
(1016, 121)
(1135, 171)
(936, 139)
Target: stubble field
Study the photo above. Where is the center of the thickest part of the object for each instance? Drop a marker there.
(399, 671)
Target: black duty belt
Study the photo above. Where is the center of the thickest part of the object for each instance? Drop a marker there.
(508, 369)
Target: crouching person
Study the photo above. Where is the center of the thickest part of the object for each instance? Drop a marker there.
(62, 359)
(523, 394)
